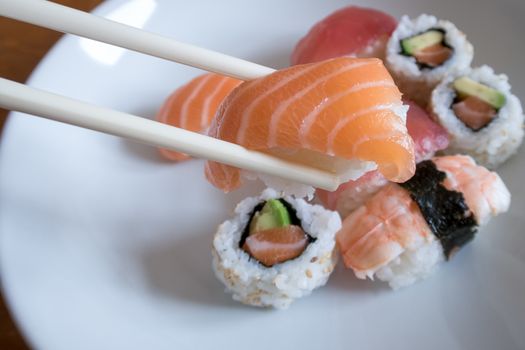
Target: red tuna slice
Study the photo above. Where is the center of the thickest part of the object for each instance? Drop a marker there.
(352, 30)
(429, 137)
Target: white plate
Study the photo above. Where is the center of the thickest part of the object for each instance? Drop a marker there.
(105, 246)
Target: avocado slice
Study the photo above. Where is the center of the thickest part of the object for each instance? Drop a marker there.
(273, 214)
(417, 43)
(466, 86)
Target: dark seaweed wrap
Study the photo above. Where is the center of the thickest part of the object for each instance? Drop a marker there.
(446, 212)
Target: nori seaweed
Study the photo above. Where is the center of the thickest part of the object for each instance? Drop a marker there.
(294, 220)
(446, 212)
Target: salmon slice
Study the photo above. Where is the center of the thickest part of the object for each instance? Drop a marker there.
(429, 137)
(474, 112)
(352, 30)
(434, 55)
(340, 108)
(276, 245)
(193, 106)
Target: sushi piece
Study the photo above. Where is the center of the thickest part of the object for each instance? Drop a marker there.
(429, 137)
(482, 116)
(404, 231)
(344, 115)
(275, 250)
(193, 106)
(355, 31)
(422, 51)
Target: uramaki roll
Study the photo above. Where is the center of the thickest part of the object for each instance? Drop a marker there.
(483, 118)
(275, 249)
(422, 51)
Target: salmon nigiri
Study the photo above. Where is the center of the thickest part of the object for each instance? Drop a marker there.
(345, 115)
(403, 232)
(193, 106)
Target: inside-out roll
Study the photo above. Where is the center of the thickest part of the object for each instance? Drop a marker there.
(422, 51)
(275, 250)
(483, 118)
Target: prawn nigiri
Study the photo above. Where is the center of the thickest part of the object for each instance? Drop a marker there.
(193, 106)
(344, 115)
(353, 30)
(403, 232)
(429, 137)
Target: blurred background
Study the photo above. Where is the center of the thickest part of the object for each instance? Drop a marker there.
(22, 46)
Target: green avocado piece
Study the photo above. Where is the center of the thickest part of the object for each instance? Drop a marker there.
(417, 43)
(465, 86)
(273, 214)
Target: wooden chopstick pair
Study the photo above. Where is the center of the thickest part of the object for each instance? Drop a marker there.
(19, 97)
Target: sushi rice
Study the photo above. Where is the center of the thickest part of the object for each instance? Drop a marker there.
(416, 263)
(493, 144)
(278, 286)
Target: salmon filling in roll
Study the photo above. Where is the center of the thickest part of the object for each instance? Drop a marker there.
(476, 104)
(274, 233)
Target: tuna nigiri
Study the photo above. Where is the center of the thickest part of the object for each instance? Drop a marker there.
(429, 137)
(353, 30)
(403, 232)
(193, 106)
(343, 114)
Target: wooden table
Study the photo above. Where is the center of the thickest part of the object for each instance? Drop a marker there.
(22, 46)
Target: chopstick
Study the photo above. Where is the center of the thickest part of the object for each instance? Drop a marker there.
(22, 98)
(67, 20)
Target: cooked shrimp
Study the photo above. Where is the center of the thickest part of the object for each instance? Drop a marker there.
(381, 230)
